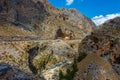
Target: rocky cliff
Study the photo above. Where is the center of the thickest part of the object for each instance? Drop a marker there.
(43, 20)
(105, 43)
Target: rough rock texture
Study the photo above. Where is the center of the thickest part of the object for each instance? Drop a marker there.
(44, 20)
(27, 30)
(26, 11)
(38, 58)
(105, 42)
(28, 51)
(8, 72)
(95, 68)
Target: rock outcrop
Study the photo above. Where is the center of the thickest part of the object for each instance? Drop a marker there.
(38, 59)
(105, 42)
(8, 72)
(95, 68)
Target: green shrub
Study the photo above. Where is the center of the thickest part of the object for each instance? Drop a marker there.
(70, 73)
(81, 56)
(42, 64)
(61, 76)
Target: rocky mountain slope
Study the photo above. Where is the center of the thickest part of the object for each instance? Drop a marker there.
(36, 59)
(41, 42)
(41, 18)
(28, 28)
(95, 68)
(105, 43)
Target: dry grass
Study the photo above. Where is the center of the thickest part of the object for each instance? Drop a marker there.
(92, 58)
(9, 30)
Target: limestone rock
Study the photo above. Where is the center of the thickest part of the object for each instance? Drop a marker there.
(95, 68)
(43, 19)
(34, 59)
(6, 72)
(105, 42)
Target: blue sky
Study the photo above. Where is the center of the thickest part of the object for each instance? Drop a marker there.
(91, 8)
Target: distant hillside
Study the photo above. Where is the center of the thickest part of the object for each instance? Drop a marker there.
(111, 27)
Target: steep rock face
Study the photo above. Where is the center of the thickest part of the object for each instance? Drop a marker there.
(72, 24)
(26, 11)
(21, 12)
(43, 19)
(105, 42)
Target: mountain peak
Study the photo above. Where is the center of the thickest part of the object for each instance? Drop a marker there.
(113, 22)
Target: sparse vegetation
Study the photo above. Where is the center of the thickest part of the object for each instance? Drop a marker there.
(71, 73)
(42, 64)
(13, 31)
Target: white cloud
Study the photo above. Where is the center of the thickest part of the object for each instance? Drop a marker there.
(69, 2)
(98, 20)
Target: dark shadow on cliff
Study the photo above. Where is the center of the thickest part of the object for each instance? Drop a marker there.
(8, 72)
(32, 53)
